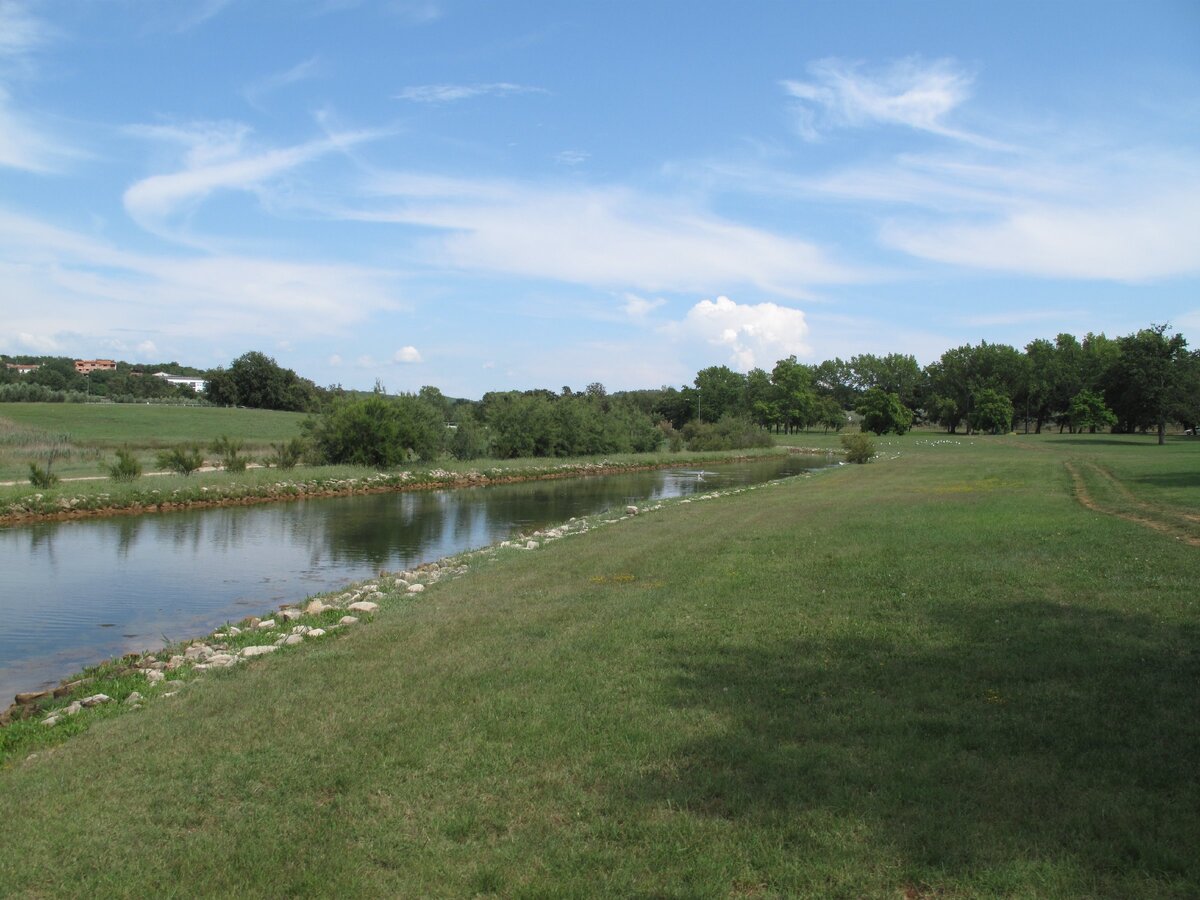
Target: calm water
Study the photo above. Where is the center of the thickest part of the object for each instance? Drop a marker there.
(75, 593)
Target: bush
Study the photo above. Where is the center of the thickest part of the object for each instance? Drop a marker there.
(287, 455)
(859, 448)
(883, 412)
(126, 468)
(730, 433)
(228, 449)
(184, 460)
(41, 478)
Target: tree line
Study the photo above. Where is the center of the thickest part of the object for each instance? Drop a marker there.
(1132, 383)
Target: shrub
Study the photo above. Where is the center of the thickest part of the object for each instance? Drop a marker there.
(126, 468)
(184, 460)
(730, 433)
(41, 478)
(228, 449)
(287, 455)
(859, 448)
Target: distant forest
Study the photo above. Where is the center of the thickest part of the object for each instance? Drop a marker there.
(1147, 381)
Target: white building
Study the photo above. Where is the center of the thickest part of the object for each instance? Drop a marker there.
(196, 384)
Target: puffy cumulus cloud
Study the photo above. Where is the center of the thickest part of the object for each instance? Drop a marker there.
(409, 354)
(755, 334)
(147, 348)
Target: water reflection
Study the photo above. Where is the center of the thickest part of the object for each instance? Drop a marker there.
(77, 592)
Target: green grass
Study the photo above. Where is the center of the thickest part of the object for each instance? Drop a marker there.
(937, 675)
(93, 431)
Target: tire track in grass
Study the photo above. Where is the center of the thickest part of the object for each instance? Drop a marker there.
(1148, 515)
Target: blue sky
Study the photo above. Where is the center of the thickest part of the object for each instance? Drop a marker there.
(496, 195)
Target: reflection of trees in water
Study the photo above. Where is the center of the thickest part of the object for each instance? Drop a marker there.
(127, 528)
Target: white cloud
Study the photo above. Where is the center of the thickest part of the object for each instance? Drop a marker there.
(1148, 238)
(416, 12)
(910, 93)
(147, 348)
(407, 354)
(639, 308)
(20, 32)
(216, 160)
(755, 334)
(42, 343)
(53, 276)
(335, 360)
(448, 93)
(572, 157)
(302, 71)
(603, 237)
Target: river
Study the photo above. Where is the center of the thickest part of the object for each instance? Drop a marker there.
(78, 592)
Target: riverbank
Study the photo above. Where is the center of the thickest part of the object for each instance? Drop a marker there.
(942, 674)
(152, 494)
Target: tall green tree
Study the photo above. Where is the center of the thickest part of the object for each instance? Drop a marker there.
(1144, 381)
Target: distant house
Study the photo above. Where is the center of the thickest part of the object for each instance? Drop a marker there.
(23, 368)
(87, 366)
(196, 384)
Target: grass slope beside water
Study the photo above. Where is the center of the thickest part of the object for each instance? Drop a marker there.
(939, 675)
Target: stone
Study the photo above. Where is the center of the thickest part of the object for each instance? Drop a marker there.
(134, 697)
(198, 651)
(96, 700)
(293, 639)
(365, 606)
(258, 650)
(72, 709)
(347, 620)
(233, 631)
(316, 607)
(531, 545)
(301, 629)
(222, 660)
(290, 614)
(31, 696)
(154, 676)
(316, 633)
(265, 624)
(50, 721)
(415, 588)
(631, 510)
(175, 662)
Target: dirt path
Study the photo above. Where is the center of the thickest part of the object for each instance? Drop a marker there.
(1162, 519)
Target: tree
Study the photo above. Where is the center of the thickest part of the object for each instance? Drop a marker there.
(793, 397)
(991, 411)
(1145, 380)
(377, 431)
(883, 413)
(719, 391)
(1088, 411)
(257, 381)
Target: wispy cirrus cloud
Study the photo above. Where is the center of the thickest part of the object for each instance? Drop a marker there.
(910, 92)
(25, 143)
(216, 158)
(257, 91)
(55, 276)
(449, 93)
(610, 237)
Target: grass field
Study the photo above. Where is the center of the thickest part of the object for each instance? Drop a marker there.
(969, 669)
(91, 432)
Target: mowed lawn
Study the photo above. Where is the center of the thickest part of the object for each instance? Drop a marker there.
(938, 675)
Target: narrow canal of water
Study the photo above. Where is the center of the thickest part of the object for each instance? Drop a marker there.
(75, 593)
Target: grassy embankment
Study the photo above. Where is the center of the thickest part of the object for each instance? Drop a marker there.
(937, 675)
(27, 430)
